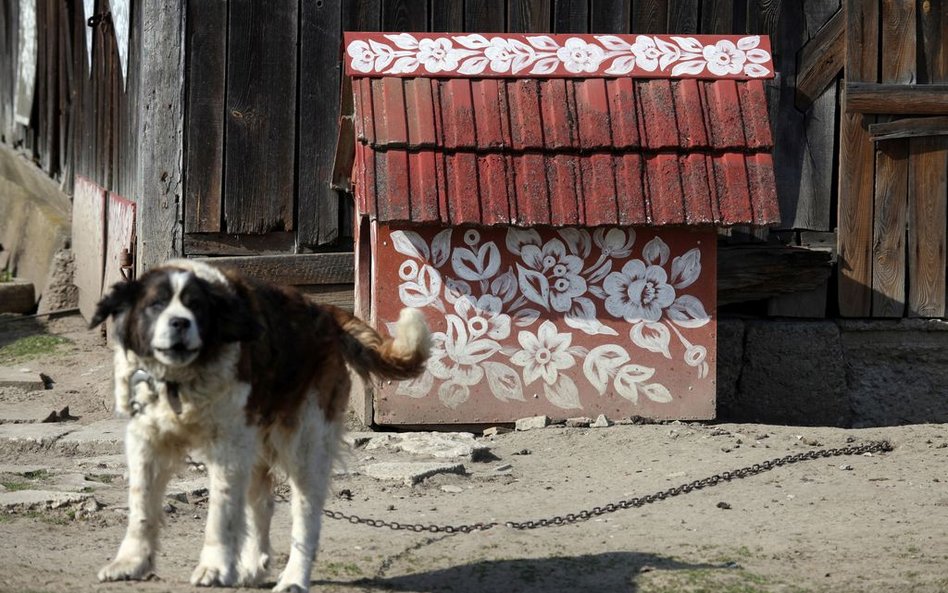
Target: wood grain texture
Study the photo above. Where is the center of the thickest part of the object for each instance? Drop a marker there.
(909, 127)
(484, 15)
(755, 272)
(683, 16)
(820, 60)
(208, 244)
(927, 196)
(920, 99)
(292, 270)
(207, 70)
(898, 41)
(717, 16)
(528, 16)
(856, 161)
(447, 16)
(317, 203)
(888, 241)
(611, 16)
(570, 16)
(160, 133)
(261, 116)
(397, 15)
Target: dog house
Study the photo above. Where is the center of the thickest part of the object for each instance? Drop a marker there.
(551, 202)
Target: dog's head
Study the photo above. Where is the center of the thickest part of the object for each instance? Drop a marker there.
(174, 313)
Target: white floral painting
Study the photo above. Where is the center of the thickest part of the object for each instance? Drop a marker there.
(543, 55)
(568, 316)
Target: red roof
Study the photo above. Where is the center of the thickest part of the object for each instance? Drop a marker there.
(593, 149)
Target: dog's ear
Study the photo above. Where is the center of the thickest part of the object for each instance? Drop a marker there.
(120, 299)
(233, 315)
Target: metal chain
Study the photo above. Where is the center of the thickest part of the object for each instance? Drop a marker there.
(585, 515)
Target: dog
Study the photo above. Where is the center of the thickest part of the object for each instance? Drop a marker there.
(254, 378)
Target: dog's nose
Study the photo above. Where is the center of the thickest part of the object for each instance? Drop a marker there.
(180, 323)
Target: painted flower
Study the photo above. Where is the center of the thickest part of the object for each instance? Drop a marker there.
(565, 286)
(562, 270)
(456, 357)
(579, 56)
(500, 53)
(483, 316)
(438, 55)
(646, 53)
(362, 56)
(544, 354)
(638, 292)
(614, 243)
(724, 58)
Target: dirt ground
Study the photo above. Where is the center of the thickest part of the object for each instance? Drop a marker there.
(865, 523)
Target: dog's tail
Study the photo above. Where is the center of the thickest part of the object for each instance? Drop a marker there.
(401, 357)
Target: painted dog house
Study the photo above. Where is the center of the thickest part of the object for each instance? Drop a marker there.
(550, 203)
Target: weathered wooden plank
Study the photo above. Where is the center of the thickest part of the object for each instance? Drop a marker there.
(447, 15)
(362, 15)
(261, 116)
(397, 15)
(528, 16)
(682, 16)
(570, 16)
(888, 242)
(612, 16)
(820, 60)
(717, 16)
(161, 157)
(88, 243)
(898, 42)
(484, 15)
(919, 99)
(337, 295)
(909, 127)
(318, 113)
(204, 162)
(933, 45)
(755, 272)
(292, 270)
(927, 196)
(856, 162)
(208, 244)
(120, 233)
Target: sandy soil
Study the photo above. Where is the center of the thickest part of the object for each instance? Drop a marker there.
(867, 523)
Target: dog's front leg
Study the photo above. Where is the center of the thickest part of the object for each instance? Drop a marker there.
(149, 469)
(229, 462)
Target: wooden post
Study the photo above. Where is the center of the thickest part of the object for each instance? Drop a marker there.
(160, 159)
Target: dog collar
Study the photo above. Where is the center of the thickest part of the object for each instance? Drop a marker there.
(143, 376)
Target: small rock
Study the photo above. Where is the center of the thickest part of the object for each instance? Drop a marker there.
(523, 452)
(726, 449)
(532, 422)
(503, 468)
(345, 494)
(358, 439)
(846, 467)
(450, 488)
(720, 432)
(850, 439)
(580, 422)
(812, 442)
(496, 430)
(724, 505)
(601, 422)
(170, 509)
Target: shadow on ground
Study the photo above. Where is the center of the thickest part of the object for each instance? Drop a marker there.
(607, 572)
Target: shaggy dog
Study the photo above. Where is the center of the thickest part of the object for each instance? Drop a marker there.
(252, 377)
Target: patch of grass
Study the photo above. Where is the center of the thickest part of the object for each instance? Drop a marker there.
(12, 486)
(339, 569)
(104, 478)
(39, 474)
(6, 275)
(30, 347)
(707, 580)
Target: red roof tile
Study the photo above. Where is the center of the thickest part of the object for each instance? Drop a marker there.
(565, 151)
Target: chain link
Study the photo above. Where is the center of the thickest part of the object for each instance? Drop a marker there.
(634, 502)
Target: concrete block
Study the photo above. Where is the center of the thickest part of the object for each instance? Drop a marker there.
(26, 437)
(581, 422)
(39, 499)
(794, 373)
(20, 379)
(601, 422)
(99, 438)
(440, 445)
(532, 422)
(729, 364)
(496, 430)
(410, 473)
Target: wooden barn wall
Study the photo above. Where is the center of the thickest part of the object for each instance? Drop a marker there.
(82, 123)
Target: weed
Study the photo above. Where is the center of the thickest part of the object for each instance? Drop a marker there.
(337, 569)
(104, 478)
(14, 486)
(30, 347)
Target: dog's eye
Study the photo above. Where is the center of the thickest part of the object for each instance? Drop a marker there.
(155, 306)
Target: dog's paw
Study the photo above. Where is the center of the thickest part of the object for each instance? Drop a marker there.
(213, 576)
(290, 588)
(252, 569)
(126, 569)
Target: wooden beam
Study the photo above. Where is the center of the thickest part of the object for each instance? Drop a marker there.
(917, 99)
(197, 244)
(909, 127)
(160, 131)
(927, 192)
(820, 60)
(756, 272)
(292, 270)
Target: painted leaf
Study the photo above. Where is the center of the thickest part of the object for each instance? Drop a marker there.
(520, 62)
(654, 337)
(747, 43)
(657, 393)
(477, 351)
(517, 238)
(472, 41)
(525, 317)
(577, 240)
(689, 44)
(686, 269)
(692, 67)
(563, 393)
(635, 373)
(453, 394)
(601, 273)
(403, 40)
(504, 382)
(757, 56)
(613, 43)
(755, 70)
(416, 388)
(473, 267)
(670, 53)
(441, 248)
(543, 43)
(687, 311)
(656, 252)
(598, 292)
(410, 243)
(505, 286)
(534, 286)
(582, 316)
(455, 289)
(602, 362)
(580, 351)
(404, 65)
(626, 389)
(383, 54)
(622, 65)
(545, 66)
(474, 65)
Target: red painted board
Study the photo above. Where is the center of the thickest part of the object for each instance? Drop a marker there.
(754, 113)
(763, 188)
(88, 243)
(723, 114)
(463, 196)
(391, 125)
